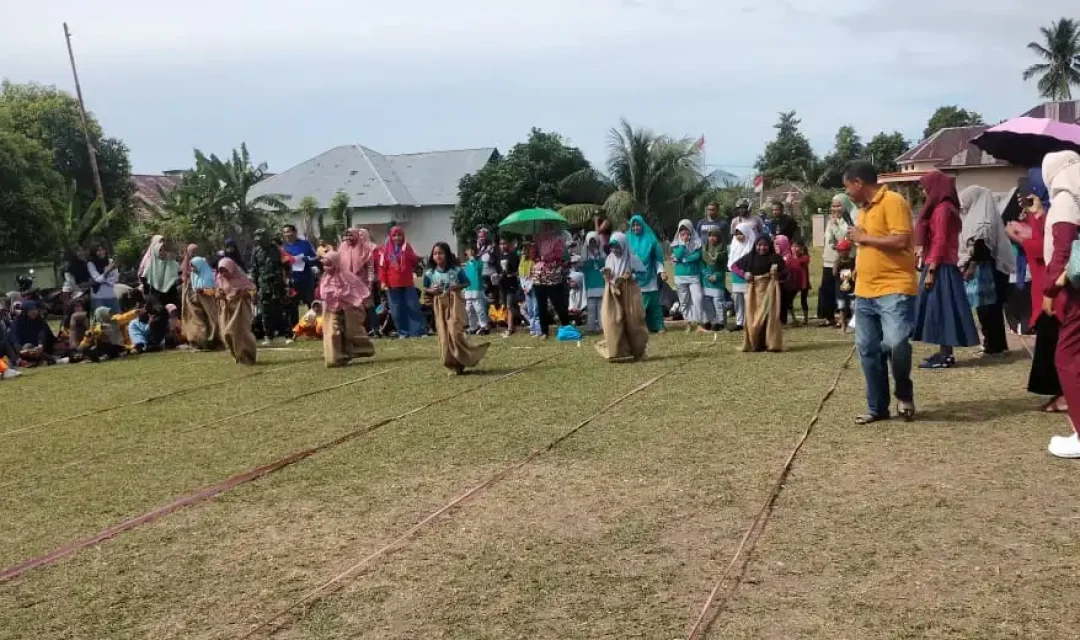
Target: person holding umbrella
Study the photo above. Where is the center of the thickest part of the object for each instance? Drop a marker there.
(548, 273)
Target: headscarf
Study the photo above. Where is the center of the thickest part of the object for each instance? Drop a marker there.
(551, 245)
(589, 254)
(983, 222)
(231, 279)
(27, 330)
(202, 276)
(99, 262)
(394, 254)
(159, 272)
(940, 187)
(1037, 186)
(643, 245)
(78, 269)
(339, 287)
(783, 246)
(848, 205)
(1061, 170)
(355, 257)
(483, 240)
(756, 264)
(626, 265)
(693, 243)
(711, 255)
(232, 251)
(739, 250)
(185, 263)
(103, 320)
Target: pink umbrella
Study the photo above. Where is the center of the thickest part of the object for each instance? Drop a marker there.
(1024, 141)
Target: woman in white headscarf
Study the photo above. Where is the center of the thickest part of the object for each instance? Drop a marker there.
(160, 274)
(686, 254)
(1061, 171)
(622, 311)
(742, 243)
(987, 261)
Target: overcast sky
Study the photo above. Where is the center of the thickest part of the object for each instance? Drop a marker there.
(293, 79)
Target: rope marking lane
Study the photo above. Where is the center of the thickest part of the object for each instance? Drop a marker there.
(757, 525)
(205, 425)
(399, 541)
(217, 489)
(147, 400)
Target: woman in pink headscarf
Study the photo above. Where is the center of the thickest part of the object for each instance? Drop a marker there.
(235, 291)
(358, 258)
(549, 277)
(344, 296)
(397, 272)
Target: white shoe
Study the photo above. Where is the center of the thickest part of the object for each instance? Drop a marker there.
(64, 361)
(288, 342)
(1065, 446)
(10, 373)
(265, 343)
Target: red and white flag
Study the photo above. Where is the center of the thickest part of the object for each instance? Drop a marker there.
(759, 184)
(700, 144)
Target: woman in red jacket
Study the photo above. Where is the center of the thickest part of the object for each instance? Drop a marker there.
(397, 272)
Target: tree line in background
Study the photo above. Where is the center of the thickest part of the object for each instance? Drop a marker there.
(48, 201)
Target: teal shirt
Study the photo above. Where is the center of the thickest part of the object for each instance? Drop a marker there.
(593, 269)
(444, 279)
(687, 264)
(474, 270)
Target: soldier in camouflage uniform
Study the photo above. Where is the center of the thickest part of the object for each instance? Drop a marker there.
(270, 278)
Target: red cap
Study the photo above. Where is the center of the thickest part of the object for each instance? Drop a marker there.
(843, 245)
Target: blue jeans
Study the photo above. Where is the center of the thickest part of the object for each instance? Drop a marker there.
(883, 328)
(405, 310)
(533, 311)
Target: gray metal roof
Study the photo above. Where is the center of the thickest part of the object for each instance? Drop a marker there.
(372, 179)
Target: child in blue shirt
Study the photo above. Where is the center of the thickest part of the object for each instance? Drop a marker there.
(476, 306)
(592, 266)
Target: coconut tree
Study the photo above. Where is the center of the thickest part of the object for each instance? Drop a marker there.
(648, 173)
(1060, 52)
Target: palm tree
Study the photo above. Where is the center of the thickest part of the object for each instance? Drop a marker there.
(1061, 52)
(648, 173)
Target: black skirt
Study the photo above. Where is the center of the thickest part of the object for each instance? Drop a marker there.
(1043, 379)
(826, 300)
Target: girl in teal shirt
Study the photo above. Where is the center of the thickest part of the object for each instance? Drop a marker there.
(647, 248)
(592, 266)
(686, 254)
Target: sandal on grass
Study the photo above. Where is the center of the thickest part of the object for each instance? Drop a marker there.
(1057, 405)
(869, 418)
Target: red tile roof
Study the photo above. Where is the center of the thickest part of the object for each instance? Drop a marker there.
(1060, 111)
(147, 186)
(951, 147)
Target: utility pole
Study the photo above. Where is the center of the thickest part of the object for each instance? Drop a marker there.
(85, 124)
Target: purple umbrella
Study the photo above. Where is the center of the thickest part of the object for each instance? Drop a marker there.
(1024, 141)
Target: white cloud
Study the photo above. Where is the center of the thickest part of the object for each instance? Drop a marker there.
(292, 78)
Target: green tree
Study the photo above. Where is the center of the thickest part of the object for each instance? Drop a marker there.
(307, 210)
(211, 202)
(1060, 52)
(848, 147)
(789, 158)
(51, 118)
(883, 150)
(657, 175)
(31, 199)
(951, 116)
(530, 175)
(340, 215)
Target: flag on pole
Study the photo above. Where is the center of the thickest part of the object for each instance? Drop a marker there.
(700, 144)
(759, 184)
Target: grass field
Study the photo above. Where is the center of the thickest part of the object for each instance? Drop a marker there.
(956, 526)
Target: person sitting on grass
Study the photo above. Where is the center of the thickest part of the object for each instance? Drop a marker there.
(103, 340)
(139, 334)
(311, 324)
(32, 338)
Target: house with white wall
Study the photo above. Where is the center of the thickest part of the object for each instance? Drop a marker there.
(415, 190)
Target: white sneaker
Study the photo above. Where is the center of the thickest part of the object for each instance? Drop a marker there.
(64, 361)
(1065, 446)
(265, 343)
(10, 373)
(288, 342)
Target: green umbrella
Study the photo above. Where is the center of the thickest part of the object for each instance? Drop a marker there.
(527, 222)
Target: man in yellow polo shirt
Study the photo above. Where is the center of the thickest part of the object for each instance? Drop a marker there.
(885, 291)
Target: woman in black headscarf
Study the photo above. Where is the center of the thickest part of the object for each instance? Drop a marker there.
(232, 251)
(31, 336)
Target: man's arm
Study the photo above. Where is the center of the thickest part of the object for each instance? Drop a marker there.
(892, 242)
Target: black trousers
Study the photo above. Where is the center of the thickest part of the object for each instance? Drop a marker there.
(274, 320)
(1043, 379)
(992, 317)
(826, 300)
(559, 298)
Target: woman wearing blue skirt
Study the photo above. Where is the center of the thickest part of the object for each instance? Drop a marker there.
(943, 314)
